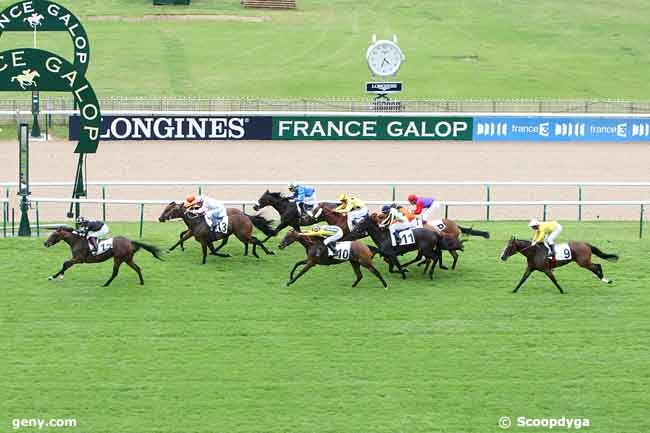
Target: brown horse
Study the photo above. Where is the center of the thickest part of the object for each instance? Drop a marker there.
(239, 225)
(536, 256)
(335, 219)
(175, 211)
(317, 254)
(122, 252)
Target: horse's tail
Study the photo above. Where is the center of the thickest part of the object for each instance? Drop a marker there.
(602, 255)
(470, 231)
(155, 251)
(262, 224)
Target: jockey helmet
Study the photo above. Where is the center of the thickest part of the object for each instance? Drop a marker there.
(533, 223)
(412, 198)
(81, 219)
(190, 200)
(343, 197)
(316, 228)
(293, 186)
(386, 208)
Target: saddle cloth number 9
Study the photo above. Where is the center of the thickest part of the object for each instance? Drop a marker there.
(562, 252)
(438, 224)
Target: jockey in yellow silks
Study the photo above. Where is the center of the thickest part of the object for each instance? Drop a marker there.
(353, 207)
(329, 232)
(546, 232)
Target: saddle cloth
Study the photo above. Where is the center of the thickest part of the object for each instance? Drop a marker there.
(562, 252)
(406, 237)
(104, 246)
(438, 224)
(343, 251)
(222, 227)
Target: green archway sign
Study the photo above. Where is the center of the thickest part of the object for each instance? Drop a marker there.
(28, 69)
(46, 16)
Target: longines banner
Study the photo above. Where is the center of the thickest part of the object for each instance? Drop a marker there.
(179, 128)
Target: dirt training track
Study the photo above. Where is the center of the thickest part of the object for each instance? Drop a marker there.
(351, 161)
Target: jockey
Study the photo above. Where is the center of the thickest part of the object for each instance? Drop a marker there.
(395, 220)
(424, 206)
(353, 207)
(304, 196)
(329, 232)
(547, 232)
(214, 210)
(92, 230)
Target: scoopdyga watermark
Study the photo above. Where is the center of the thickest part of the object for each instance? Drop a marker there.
(567, 423)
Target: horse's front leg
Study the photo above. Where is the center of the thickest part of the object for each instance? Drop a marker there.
(302, 272)
(550, 275)
(66, 265)
(302, 262)
(187, 234)
(523, 279)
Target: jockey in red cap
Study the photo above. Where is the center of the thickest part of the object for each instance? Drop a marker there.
(424, 206)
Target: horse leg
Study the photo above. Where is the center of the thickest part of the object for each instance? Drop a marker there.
(66, 265)
(262, 246)
(376, 273)
(204, 249)
(116, 268)
(597, 269)
(419, 257)
(302, 272)
(187, 234)
(523, 279)
(454, 254)
(550, 275)
(357, 270)
(215, 251)
(443, 267)
(136, 268)
(302, 262)
(400, 268)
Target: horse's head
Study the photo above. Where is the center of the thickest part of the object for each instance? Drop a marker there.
(172, 211)
(510, 249)
(361, 227)
(58, 235)
(268, 199)
(289, 238)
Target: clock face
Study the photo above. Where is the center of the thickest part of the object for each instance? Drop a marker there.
(384, 58)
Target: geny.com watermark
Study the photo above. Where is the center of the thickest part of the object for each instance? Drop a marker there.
(551, 423)
(41, 423)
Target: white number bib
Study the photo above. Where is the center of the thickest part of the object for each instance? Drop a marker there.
(343, 251)
(438, 224)
(562, 252)
(104, 246)
(222, 227)
(406, 237)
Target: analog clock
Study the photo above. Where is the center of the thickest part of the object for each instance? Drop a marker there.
(384, 57)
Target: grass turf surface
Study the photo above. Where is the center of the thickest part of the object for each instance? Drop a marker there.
(469, 49)
(226, 347)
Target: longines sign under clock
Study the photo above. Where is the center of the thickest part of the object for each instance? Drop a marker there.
(383, 88)
(180, 128)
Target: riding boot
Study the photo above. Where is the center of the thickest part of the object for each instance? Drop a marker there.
(93, 244)
(396, 234)
(332, 247)
(551, 248)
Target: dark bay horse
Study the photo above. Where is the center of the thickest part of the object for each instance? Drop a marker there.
(175, 211)
(239, 224)
(289, 214)
(122, 252)
(426, 244)
(337, 219)
(537, 260)
(317, 254)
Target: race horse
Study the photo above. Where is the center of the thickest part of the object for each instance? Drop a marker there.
(175, 211)
(240, 225)
(122, 252)
(425, 242)
(289, 214)
(337, 219)
(317, 254)
(537, 259)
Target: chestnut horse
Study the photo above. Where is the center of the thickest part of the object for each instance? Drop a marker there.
(122, 252)
(317, 254)
(537, 260)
